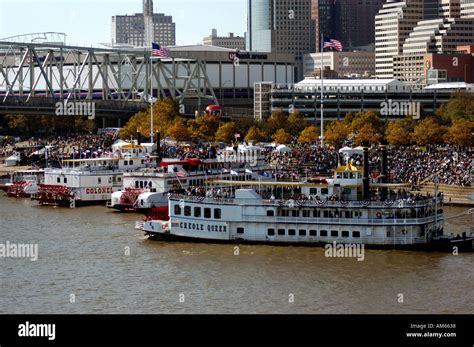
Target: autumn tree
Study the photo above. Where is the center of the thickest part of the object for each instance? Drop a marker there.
(461, 105)
(281, 137)
(226, 132)
(243, 125)
(336, 133)
(179, 131)
(309, 135)
(428, 131)
(367, 134)
(255, 134)
(399, 132)
(204, 127)
(296, 123)
(165, 112)
(363, 118)
(460, 133)
(276, 121)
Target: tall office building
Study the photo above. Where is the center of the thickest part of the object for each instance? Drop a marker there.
(141, 29)
(352, 24)
(440, 36)
(467, 8)
(394, 22)
(283, 26)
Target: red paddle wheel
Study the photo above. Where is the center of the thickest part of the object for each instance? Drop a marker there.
(50, 194)
(129, 196)
(158, 213)
(17, 189)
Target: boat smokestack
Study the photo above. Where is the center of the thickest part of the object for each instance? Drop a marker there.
(139, 138)
(384, 171)
(365, 178)
(158, 147)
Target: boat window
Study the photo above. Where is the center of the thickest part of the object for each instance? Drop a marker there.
(125, 162)
(136, 184)
(271, 232)
(316, 213)
(323, 233)
(324, 191)
(312, 233)
(345, 233)
(281, 232)
(295, 213)
(207, 213)
(291, 232)
(326, 214)
(302, 232)
(177, 209)
(334, 233)
(305, 213)
(358, 214)
(119, 179)
(240, 230)
(131, 162)
(270, 213)
(217, 213)
(187, 210)
(58, 180)
(65, 179)
(348, 214)
(285, 213)
(110, 179)
(313, 191)
(99, 180)
(141, 184)
(197, 212)
(356, 234)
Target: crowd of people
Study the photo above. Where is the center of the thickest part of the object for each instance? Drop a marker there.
(60, 147)
(411, 165)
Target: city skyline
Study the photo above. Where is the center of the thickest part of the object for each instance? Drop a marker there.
(193, 21)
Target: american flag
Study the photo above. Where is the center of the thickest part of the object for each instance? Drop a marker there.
(332, 43)
(159, 51)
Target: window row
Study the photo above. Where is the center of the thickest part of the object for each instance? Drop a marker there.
(316, 213)
(314, 233)
(197, 212)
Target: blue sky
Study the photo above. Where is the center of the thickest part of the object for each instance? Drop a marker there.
(88, 22)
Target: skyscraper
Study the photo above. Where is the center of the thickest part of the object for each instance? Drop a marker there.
(350, 23)
(143, 28)
(394, 22)
(283, 26)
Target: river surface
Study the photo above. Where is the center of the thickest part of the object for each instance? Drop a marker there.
(91, 260)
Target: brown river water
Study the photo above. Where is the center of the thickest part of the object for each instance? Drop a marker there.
(91, 260)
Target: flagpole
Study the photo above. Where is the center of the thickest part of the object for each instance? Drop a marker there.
(151, 100)
(322, 86)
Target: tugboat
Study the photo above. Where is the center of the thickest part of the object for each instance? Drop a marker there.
(346, 209)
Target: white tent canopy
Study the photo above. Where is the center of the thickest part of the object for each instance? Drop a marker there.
(283, 149)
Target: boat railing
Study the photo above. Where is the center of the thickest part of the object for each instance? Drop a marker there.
(296, 203)
(348, 221)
